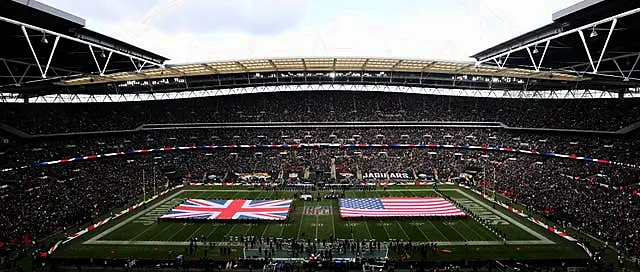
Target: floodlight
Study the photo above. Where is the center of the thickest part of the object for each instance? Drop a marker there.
(593, 32)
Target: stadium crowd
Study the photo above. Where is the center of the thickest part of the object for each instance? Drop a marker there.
(37, 201)
(590, 114)
(19, 152)
(59, 196)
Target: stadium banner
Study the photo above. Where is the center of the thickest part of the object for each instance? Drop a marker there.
(325, 145)
(235, 209)
(426, 176)
(346, 175)
(252, 176)
(593, 180)
(388, 176)
(398, 207)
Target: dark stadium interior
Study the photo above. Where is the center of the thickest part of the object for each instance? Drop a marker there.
(572, 162)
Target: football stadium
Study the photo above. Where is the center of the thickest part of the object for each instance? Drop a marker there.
(114, 158)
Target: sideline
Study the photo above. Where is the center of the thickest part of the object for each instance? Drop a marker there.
(508, 218)
(126, 221)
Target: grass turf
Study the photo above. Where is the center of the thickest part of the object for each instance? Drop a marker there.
(165, 240)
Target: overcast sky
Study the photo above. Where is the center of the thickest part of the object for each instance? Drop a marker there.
(202, 30)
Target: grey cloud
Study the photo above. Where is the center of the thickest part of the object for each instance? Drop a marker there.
(257, 17)
(107, 10)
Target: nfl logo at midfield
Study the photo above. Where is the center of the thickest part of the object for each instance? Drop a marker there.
(317, 210)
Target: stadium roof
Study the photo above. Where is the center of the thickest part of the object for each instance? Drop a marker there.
(41, 44)
(327, 73)
(321, 64)
(596, 38)
(49, 52)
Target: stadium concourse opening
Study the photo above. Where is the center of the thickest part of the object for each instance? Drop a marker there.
(525, 159)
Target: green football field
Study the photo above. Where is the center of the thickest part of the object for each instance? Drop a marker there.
(140, 235)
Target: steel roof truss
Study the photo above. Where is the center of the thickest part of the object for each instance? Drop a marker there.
(138, 69)
(53, 50)
(104, 68)
(532, 60)
(35, 56)
(604, 48)
(10, 73)
(586, 48)
(562, 34)
(626, 77)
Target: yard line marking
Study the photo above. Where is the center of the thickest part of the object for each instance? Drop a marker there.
(265, 230)
(418, 226)
(317, 227)
(267, 225)
(127, 220)
(385, 229)
(368, 231)
(421, 231)
(473, 230)
(508, 218)
(438, 230)
(138, 235)
(483, 225)
(458, 232)
(199, 227)
(434, 226)
(405, 232)
(250, 228)
(301, 219)
(176, 233)
(215, 227)
(230, 230)
(281, 230)
(159, 232)
(333, 221)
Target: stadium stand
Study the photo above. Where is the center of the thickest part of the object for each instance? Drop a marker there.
(586, 114)
(26, 151)
(39, 200)
(546, 185)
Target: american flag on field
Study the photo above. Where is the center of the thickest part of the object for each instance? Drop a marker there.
(397, 207)
(231, 209)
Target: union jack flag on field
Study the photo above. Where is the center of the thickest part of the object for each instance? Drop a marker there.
(397, 207)
(231, 209)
